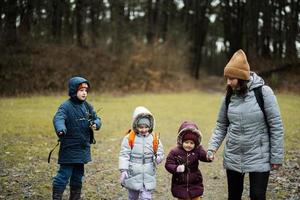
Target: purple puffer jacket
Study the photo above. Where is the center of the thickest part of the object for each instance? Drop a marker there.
(188, 184)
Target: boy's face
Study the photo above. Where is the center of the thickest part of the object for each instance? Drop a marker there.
(82, 93)
(143, 129)
(188, 145)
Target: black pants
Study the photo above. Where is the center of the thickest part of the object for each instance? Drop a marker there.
(258, 185)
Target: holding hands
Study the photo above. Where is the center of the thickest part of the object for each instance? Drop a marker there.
(210, 155)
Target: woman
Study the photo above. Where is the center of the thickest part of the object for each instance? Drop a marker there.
(254, 135)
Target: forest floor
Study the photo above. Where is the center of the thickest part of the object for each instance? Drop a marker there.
(27, 136)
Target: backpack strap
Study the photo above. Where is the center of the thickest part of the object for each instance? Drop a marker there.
(227, 102)
(260, 100)
(155, 142)
(131, 137)
(50, 153)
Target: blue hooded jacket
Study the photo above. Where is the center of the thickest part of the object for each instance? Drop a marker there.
(73, 119)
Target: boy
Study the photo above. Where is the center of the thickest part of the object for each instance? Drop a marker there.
(74, 123)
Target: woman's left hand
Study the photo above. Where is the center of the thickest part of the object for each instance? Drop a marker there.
(275, 166)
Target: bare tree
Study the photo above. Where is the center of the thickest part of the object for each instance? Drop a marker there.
(292, 29)
(10, 28)
(57, 14)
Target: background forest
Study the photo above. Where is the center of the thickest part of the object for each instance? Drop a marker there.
(144, 45)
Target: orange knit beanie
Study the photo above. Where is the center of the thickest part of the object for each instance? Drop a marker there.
(238, 66)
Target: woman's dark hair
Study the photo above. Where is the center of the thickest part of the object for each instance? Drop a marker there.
(242, 91)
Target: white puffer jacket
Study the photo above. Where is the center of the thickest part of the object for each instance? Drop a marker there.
(250, 146)
(140, 160)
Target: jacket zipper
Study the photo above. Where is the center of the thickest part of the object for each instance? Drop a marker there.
(143, 157)
(187, 174)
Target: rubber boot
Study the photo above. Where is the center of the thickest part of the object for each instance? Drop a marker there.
(57, 194)
(75, 193)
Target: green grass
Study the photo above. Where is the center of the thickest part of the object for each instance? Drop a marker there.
(27, 135)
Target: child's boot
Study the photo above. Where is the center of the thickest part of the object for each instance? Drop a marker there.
(57, 194)
(75, 193)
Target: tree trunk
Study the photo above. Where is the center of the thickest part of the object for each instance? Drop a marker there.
(164, 19)
(251, 30)
(27, 19)
(68, 27)
(10, 25)
(118, 21)
(57, 14)
(233, 16)
(292, 30)
(265, 40)
(198, 34)
(79, 22)
(150, 24)
(94, 14)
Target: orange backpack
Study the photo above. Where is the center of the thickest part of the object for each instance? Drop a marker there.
(131, 138)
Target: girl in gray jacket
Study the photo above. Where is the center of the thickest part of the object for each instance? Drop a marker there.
(253, 132)
(141, 151)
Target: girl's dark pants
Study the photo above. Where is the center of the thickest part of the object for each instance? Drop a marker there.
(66, 172)
(258, 184)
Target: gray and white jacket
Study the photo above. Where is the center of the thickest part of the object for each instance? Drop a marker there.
(250, 145)
(139, 161)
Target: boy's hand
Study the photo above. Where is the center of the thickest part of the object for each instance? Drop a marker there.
(94, 126)
(180, 168)
(60, 133)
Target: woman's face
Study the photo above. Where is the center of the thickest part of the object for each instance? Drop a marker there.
(232, 82)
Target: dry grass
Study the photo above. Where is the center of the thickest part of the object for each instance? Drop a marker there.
(27, 136)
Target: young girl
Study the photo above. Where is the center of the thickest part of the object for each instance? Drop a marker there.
(141, 151)
(182, 163)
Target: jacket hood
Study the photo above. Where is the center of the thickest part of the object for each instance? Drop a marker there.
(139, 113)
(73, 85)
(188, 126)
(255, 81)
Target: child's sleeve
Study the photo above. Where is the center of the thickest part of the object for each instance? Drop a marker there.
(59, 120)
(124, 155)
(171, 165)
(202, 154)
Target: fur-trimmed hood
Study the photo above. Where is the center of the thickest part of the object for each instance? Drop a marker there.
(139, 113)
(188, 126)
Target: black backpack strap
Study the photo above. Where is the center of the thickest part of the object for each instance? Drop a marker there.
(227, 101)
(260, 100)
(50, 153)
